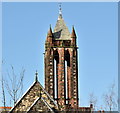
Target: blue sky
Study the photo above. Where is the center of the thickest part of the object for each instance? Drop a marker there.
(24, 30)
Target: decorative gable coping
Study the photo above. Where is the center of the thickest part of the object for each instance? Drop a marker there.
(49, 96)
(28, 91)
(32, 105)
(47, 105)
(23, 96)
(36, 102)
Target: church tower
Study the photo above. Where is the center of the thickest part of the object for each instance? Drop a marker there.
(61, 76)
(61, 65)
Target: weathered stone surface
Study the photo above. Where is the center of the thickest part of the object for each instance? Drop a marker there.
(40, 105)
(31, 95)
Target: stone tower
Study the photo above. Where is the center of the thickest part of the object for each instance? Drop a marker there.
(61, 76)
(61, 65)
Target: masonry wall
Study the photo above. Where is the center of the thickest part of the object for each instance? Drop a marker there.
(31, 95)
(72, 73)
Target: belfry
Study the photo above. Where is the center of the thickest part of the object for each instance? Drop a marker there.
(61, 76)
(61, 68)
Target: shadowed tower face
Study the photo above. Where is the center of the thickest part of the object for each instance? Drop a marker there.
(61, 68)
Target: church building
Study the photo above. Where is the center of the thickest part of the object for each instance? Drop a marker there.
(61, 75)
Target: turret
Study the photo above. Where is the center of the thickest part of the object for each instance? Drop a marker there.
(73, 37)
(49, 37)
(61, 67)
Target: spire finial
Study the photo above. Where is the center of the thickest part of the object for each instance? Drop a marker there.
(59, 7)
(36, 76)
(60, 14)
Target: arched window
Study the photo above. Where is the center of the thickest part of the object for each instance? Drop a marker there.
(50, 51)
(56, 61)
(67, 70)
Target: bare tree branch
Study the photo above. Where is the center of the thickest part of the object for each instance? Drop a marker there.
(15, 85)
(3, 92)
(93, 100)
(109, 98)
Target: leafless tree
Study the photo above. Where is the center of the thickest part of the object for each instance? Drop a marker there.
(2, 88)
(110, 98)
(14, 84)
(93, 100)
(3, 93)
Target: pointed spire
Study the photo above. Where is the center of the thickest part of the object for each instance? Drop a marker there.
(50, 31)
(36, 79)
(73, 34)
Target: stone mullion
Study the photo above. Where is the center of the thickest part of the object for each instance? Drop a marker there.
(75, 79)
(47, 70)
(68, 84)
(51, 74)
(74, 76)
(69, 79)
(72, 80)
(59, 78)
(61, 84)
(45, 59)
(63, 76)
(58, 81)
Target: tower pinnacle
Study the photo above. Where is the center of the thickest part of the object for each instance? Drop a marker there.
(73, 34)
(50, 31)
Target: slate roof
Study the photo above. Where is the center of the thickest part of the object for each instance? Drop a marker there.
(61, 31)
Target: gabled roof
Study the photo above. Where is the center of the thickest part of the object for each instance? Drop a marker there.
(27, 92)
(22, 97)
(61, 31)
